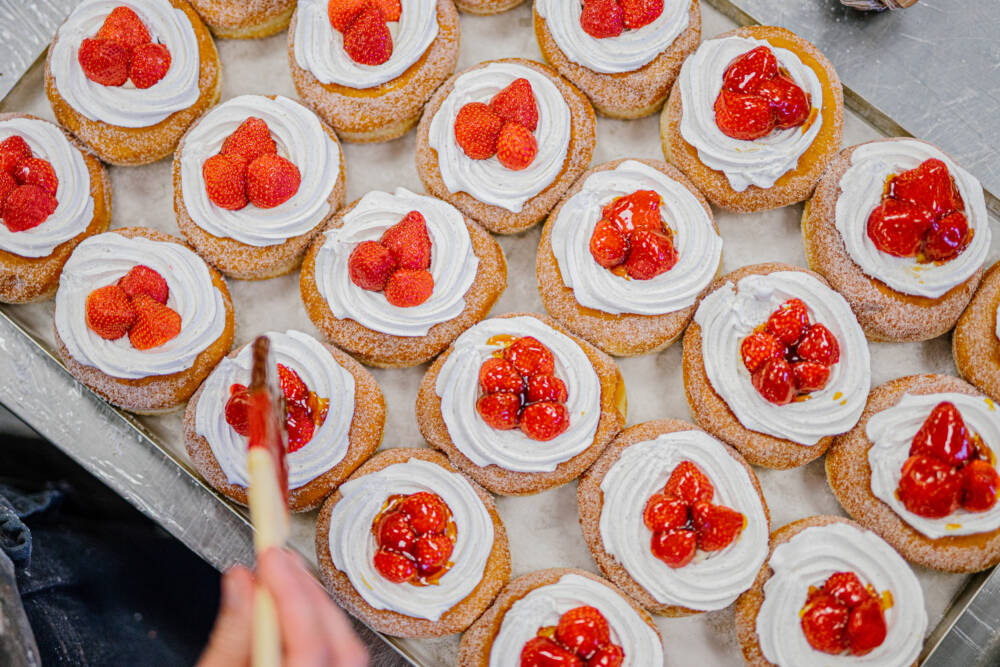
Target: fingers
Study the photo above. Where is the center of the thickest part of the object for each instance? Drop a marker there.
(229, 643)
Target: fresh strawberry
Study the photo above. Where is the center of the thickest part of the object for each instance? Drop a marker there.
(432, 553)
(717, 526)
(979, 486)
(409, 242)
(27, 206)
(810, 375)
(500, 375)
(292, 385)
(13, 150)
(124, 26)
(608, 246)
(367, 39)
(477, 130)
(426, 512)
(929, 487)
(396, 568)
(543, 652)
(299, 426)
(748, 71)
(787, 99)
(225, 181)
(7, 185)
(928, 186)
(674, 547)
(36, 171)
(947, 238)
(141, 279)
(583, 630)
(237, 410)
(743, 116)
(530, 356)
(819, 344)
(602, 18)
(824, 622)
(789, 321)
(758, 348)
(545, 420)
(271, 181)
(516, 147)
(944, 436)
(103, 61)
(846, 588)
(639, 13)
(638, 210)
(650, 254)
(250, 140)
(609, 655)
(500, 410)
(393, 532)
(663, 512)
(150, 63)
(391, 10)
(343, 12)
(898, 227)
(546, 388)
(866, 627)
(370, 264)
(689, 483)
(155, 324)
(516, 104)
(109, 312)
(775, 381)
(406, 289)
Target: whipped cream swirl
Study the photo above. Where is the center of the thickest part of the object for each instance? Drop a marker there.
(322, 374)
(128, 106)
(713, 580)
(487, 180)
(453, 263)
(75, 209)
(101, 260)
(300, 137)
(319, 48)
(628, 51)
(458, 386)
(760, 162)
(352, 543)
(861, 189)
(543, 606)
(808, 559)
(698, 244)
(891, 432)
(732, 312)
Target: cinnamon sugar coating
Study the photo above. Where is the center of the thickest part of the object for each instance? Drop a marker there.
(496, 218)
(131, 146)
(487, 7)
(974, 343)
(245, 19)
(849, 475)
(625, 334)
(495, 574)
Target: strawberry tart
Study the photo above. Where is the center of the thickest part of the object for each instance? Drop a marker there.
(675, 518)
(831, 593)
(775, 364)
(902, 232)
(623, 54)
(368, 68)
(504, 140)
(562, 617)
(521, 406)
(977, 336)
(245, 19)
(255, 179)
(754, 118)
(398, 276)
(140, 319)
(53, 194)
(334, 417)
(412, 547)
(129, 77)
(626, 255)
(919, 469)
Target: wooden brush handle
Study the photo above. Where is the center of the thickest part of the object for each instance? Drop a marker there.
(270, 520)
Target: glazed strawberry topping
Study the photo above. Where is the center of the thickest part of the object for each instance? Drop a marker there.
(248, 170)
(921, 215)
(609, 18)
(504, 127)
(397, 264)
(683, 519)
(789, 356)
(758, 97)
(305, 410)
(365, 29)
(121, 50)
(581, 638)
(632, 234)
(949, 467)
(28, 186)
(415, 535)
(843, 615)
(519, 388)
(135, 305)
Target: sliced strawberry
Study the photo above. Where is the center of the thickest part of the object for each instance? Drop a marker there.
(250, 140)
(393, 532)
(717, 525)
(650, 254)
(758, 348)
(516, 104)
(866, 627)
(789, 102)
(225, 181)
(543, 387)
(689, 483)
(544, 421)
(299, 425)
(663, 512)
(271, 181)
(824, 622)
(292, 385)
(500, 410)
(477, 130)
(789, 321)
(602, 18)
(237, 410)
(367, 39)
(409, 242)
(406, 289)
(638, 210)
(426, 512)
(150, 63)
(947, 238)
(396, 568)
(639, 13)
(608, 246)
(742, 116)
(155, 324)
(674, 547)
(748, 71)
(530, 356)
(141, 279)
(543, 652)
(27, 206)
(944, 436)
(431, 553)
(583, 630)
(124, 26)
(7, 186)
(13, 150)
(104, 62)
(979, 486)
(819, 344)
(370, 264)
(36, 171)
(898, 227)
(609, 655)
(846, 588)
(499, 375)
(929, 487)
(109, 312)
(928, 186)
(775, 381)
(516, 147)
(810, 375)
(343, 12)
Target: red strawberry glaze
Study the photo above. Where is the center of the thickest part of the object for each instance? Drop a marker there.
(397, 264)
(631, 234)
(581, 638)
(503, 128)
(758, 97)
(415, 537)
(843, 616)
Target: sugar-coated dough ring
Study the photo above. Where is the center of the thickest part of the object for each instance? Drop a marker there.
(474, 651)
(513, 483)
(391, 109)
(27, 279)
(496, 218)
(625, 95)
(624, 335)
(883, 313)
(155, 394)
(386, 350)
(240, 260)
(245, 19)
(713, 414)
(849, 475)
(974, 344)
(487, 7)
(131, 146)
(590, 500)
(793, 186)
(496, 574)
(365, 436)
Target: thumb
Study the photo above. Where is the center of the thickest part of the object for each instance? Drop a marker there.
(229, 643)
